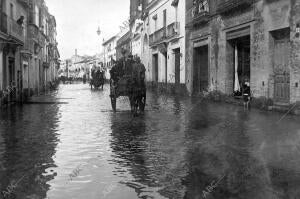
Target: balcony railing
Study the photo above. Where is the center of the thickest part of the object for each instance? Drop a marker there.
(200, 11)
(157, 36)
(16, 30)
(228, 5)
(3, 23)
(173, 29)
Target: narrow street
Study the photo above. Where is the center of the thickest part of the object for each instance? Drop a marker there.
(70, 145)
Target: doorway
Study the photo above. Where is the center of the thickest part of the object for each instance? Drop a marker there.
(281, 54)
(177, 66)
(19, 85)
(11, 79)
(165, 54)
(155, 67)
(240, 63)
(200, 82)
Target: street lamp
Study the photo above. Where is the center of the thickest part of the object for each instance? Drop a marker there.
(99, 31)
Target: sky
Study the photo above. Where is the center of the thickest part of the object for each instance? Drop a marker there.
(78, 21)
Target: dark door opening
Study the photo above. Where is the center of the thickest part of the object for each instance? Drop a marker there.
(200, 79)
(11, 79)
(19, 85)
(240, 64)
(166, 66)
(155, 67)
(177, 66)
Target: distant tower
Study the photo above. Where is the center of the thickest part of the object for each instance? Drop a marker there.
(75, 52)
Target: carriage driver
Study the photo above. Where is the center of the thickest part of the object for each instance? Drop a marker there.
(138, 71)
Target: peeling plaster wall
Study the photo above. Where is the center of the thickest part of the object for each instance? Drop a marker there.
(295, 51)
(262, 18)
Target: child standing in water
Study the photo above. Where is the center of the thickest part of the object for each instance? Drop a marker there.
(246, 93)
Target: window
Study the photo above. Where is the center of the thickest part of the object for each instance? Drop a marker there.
(40, 19)
(12, 11)
(37, 14)
(165, 18)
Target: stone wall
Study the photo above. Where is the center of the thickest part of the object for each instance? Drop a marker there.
(295, 51)
(264, 17)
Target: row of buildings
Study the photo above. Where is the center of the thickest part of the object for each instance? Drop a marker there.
(79, 66)
(29, 57)
(217, 45)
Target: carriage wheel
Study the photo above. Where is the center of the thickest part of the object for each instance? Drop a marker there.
(113, 100)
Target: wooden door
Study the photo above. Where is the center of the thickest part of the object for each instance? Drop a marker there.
(11, 80)
(281, 71)
(177, 66)
(204, 69)
(200, 81)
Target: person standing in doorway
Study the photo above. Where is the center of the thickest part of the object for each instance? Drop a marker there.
(246, 93)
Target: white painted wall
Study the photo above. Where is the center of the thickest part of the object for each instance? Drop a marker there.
(150, 26)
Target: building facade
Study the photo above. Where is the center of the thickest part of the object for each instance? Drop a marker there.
(123, 47)
(231, 42)
(163, 46)
(110, 54)
(12, 39)
(136, 38)
(25, 67)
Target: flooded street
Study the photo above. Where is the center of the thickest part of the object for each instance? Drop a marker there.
(70, 145)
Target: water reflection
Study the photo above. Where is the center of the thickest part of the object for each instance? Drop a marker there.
(175, 150)
(27, 146)
(128, 145)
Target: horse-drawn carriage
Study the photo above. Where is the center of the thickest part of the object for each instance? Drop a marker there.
(97, 80)
(128, 79)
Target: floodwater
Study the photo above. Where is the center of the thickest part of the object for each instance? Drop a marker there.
(72, 146)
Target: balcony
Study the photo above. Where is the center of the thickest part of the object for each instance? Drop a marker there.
(15, 30)
(3, 23)
(228, 5)
(35, 34)
(157, 36)
(173, 29)
(24, 2)
(200, 12)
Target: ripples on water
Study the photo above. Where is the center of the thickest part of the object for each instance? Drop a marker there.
(177, 149)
